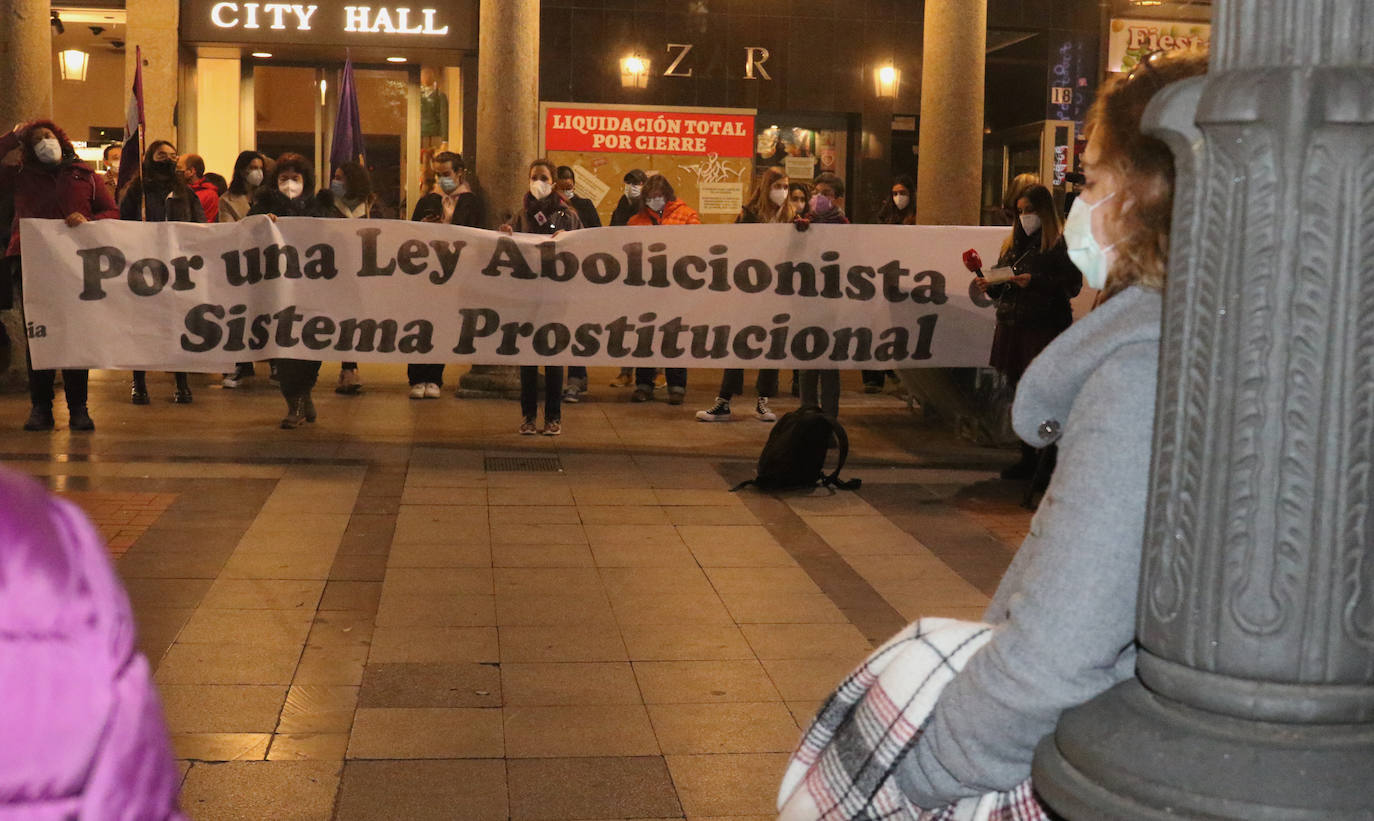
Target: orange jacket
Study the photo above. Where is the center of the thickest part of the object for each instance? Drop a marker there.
(676, 212)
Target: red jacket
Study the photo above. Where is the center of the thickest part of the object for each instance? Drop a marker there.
(208, 195)
(51, 192)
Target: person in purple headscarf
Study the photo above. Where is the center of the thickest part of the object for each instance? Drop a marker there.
(81, 728)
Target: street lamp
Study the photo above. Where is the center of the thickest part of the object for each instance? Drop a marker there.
(73, 63)
(634, 72)
(886, 81)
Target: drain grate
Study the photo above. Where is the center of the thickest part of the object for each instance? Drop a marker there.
(523, 464)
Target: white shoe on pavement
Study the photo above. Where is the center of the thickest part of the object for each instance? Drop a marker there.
(762, 412)
(417, 391)
(431, 390)
(719, 412)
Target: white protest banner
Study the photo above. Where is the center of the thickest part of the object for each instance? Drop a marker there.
(185, 297)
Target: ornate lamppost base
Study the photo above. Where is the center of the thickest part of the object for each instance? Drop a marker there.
(1130, 754)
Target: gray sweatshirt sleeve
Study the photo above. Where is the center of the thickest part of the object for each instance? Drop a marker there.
(1070, 606)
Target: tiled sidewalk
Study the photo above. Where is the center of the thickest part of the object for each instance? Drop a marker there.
(352, 629)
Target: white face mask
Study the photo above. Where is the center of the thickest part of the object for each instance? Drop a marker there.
(901, 201)
(540, 188)
(1084, 251)
(1030, 223)
(656, 203)
(632, 191)
(291, 188)
(113, 167)
(48, 150)
(254, 177)
(778, 196)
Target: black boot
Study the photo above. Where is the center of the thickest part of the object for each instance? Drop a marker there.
(183, 393)
(1025, 468)
(40, 418)
(79, 418)
(138, 394)
(308, 408)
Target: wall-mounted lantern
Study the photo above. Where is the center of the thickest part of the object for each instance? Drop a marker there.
(887, 80)
(634, 72)
(73, 63)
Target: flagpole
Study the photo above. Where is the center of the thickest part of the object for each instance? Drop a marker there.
(142, 131)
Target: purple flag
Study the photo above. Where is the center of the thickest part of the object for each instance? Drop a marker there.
(348, 128)
(134, 126)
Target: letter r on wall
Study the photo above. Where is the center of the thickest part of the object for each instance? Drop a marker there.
(754, 58)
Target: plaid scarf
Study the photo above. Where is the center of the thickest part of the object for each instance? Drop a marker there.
(846, 763)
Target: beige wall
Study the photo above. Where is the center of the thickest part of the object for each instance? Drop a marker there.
(152, 25)
(97, 102)
(217, 113)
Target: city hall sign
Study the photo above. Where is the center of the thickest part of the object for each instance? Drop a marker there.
(442, 23)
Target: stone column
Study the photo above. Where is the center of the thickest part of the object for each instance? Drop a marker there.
(1255, 689)
(152, 25)
(26, 77)
(950, 166)
(507, 127)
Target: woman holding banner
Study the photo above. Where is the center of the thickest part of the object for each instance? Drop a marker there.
(50, 182)
(160, 194)
(349, 196)
(770, 203)
(542, 212)
(286, 194)
(662, 207)
(234, 204)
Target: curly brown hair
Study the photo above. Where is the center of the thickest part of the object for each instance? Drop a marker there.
(1143, 167)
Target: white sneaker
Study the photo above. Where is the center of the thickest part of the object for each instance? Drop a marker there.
(417, 391)
(431, 390)
(231, 381)
(719, 412)
(762, 413)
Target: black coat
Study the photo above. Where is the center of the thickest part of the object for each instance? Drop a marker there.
(624, 210)
(586, 212)
(176, 204)
(1044, 303)
(272, 201)
(470, 210)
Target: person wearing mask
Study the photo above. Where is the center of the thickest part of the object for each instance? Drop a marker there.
(768, 204)
(1015, 189)
(821, 387)
(287, 194)
(110, 157)
(544, 211)
(50, 182)
(83, 729)
(662, 207)
(1033, 306)
(898, 209)
(586, 211)
(234, 205)
(160, 194)
(799, 197)
(1064, 614)
(632, 198)
(458, 201)
(192, 169)
(349, 196)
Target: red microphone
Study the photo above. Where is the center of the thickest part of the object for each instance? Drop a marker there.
(973, 262)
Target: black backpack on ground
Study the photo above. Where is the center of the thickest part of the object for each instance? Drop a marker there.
(794, 455)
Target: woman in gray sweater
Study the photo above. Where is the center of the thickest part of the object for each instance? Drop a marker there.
(1064, 614)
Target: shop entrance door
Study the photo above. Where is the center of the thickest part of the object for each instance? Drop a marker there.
(293, 109)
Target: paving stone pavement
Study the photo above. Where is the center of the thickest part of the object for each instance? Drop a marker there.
(370, 619)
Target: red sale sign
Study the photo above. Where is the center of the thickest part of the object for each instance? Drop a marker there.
(632, 131)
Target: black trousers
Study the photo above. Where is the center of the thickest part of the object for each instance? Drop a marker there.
(878, 378)
(732, 383)
(296, 376)
(42, 383)
(553, 392)
(424, 374)
(677, 377)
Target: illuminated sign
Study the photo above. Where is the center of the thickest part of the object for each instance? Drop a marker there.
(1130, 40)
(444, 23)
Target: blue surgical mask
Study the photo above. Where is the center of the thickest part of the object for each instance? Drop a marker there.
(1087, 255)
(656, 204)
(337, 188)
(448, 184)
